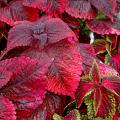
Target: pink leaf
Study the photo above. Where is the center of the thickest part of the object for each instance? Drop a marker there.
(10, 13)
(45, 31)
(7, 109)
(4, 77)
(115, 62)
(104, 26)
(81, 9)
(28, 84)
(51, 7)
(112, 83)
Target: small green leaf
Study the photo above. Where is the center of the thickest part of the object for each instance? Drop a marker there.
(57, 117)
(100, 15)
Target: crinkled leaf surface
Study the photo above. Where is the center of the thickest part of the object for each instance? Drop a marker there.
(80, 9)
(106, 6)
(5, 76)
(14, 11)
(45, 31)
(88, 55)
(51, 7)
(64, 73)
(65, 70)
(104, 26)
(7, 109)
(51, 104)
(28, 84)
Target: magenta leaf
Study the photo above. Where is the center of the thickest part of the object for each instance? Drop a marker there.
(112, 83)
(28, 84)
(7, 109)
(104, 26)
(51, 7)
(115, 62)
(81, 9)
(40, 33)
(10, 13)
(5, 76)
(106, 6)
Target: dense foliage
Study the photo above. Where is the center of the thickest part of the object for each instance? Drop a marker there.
(59, 59)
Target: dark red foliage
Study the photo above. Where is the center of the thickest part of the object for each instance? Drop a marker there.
(59, 59)
(80, 9)
(14, 11)
(45, 31)
(104, 26)
(50, 7)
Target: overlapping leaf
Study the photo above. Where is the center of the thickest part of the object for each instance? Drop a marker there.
(107, 6)
(45, 31)
(51, 104)
(7, 109)
(51, 7)
(28, 84)
(88, 55)
(101, 88)
(14, 11)
(73, 115)
(104, 27)
(65, 70)
(80, 9)
(115, 62)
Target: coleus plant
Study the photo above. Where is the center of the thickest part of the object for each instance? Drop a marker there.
(48, 68)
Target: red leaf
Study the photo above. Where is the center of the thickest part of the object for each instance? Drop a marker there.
(10, 13)
(81, 9)
(105, 107)
(51, 7)
(106, 70)
(51, 104)
(112, 83)
(100, 91)
(87, 53)
(7, 110)
(4, 77)
(104, 26)
(44, 31)
(27, 86)
(115, 62)
(64, 73)
(107, 6)
(94, 74)
(84, 87)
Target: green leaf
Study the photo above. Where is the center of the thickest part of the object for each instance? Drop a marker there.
(57, 117)
(90, 109)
